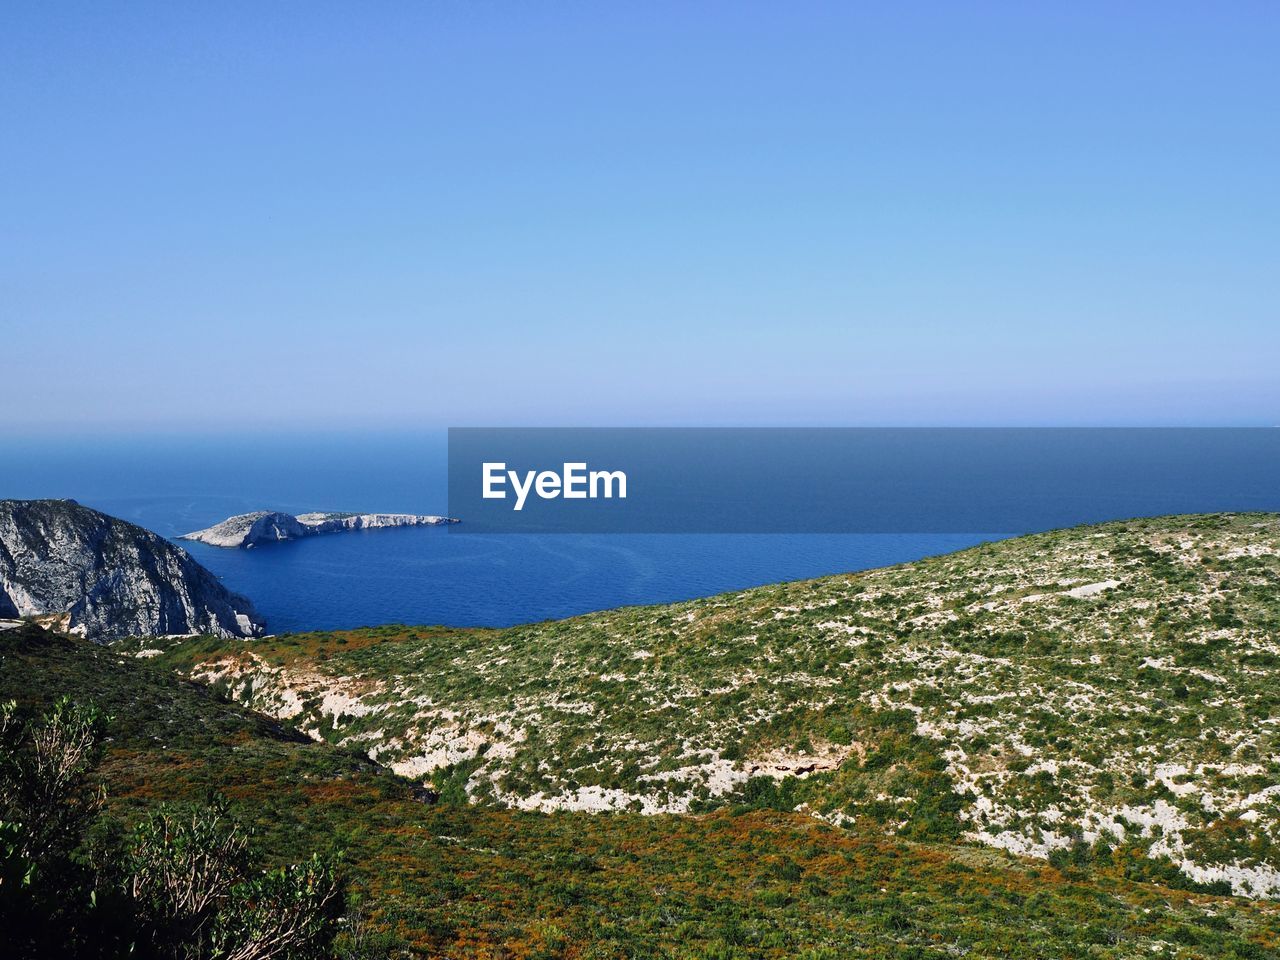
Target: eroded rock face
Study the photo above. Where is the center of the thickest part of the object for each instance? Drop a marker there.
(249, 529)
(109, 578)
(265, 526)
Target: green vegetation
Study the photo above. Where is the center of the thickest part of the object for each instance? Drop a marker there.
(1070, 694)
(839, 745)
(180, 888)
(461, 880)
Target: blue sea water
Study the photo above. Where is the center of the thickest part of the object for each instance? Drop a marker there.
(175, 484)
(435, 575)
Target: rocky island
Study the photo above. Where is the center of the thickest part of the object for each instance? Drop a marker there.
(269, 526)
(89, 574)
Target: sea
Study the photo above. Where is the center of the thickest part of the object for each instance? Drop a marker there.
(173, 484)
(176, 483)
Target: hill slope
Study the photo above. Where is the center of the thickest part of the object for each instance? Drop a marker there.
(461, 880)
(1065, 694)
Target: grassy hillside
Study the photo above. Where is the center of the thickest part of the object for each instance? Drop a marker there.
(1088, 693)
(464, 880)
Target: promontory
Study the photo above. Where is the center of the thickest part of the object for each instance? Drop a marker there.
(103, 578)
(270, 526)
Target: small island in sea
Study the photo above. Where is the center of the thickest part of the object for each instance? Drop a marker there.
(269, 526)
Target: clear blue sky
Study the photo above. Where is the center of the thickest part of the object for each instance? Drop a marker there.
(425, 214)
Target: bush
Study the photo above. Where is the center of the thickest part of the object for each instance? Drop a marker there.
(47, 801)
(181, 888)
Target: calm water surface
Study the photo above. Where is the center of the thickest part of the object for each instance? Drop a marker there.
(173, 485)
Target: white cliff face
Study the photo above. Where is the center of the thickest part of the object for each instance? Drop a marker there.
(104, 578)
(251, 529)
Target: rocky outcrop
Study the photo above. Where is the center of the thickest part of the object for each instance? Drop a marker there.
(250, 529)
(104, 578)
(264, 526)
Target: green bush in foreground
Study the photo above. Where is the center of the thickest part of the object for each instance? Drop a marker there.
(181, 887)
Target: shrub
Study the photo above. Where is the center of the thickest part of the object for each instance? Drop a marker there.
(182, 888)
(47, 801)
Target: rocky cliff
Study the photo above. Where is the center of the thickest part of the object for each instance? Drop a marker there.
(264, 526)
(104, 578)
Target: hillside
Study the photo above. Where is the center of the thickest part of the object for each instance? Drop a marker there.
(1089, 694)
(453, 879)
(105, 578)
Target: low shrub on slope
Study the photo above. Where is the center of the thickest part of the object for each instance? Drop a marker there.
(465, 880)
(1087, 693)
